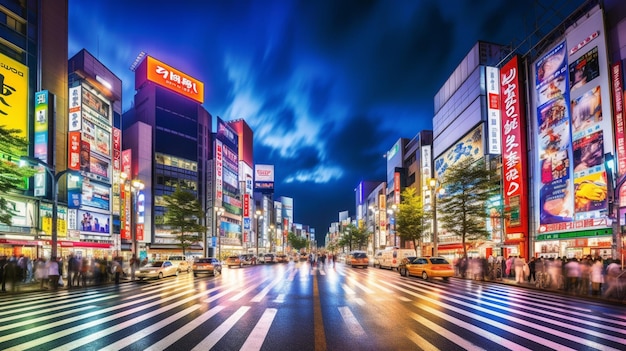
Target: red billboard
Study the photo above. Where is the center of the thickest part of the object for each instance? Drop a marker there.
(514, 165)
(168, 77)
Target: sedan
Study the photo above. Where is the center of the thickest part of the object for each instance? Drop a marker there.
(233, 261)
(358, 259)
(209, 265)
(427, 267)
(157, 269)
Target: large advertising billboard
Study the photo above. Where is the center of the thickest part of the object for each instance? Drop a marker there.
(171, 78)
(471, 145)
(14, 99)
(572, 114)
(263, 178)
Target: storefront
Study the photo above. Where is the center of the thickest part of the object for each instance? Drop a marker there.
(42, 248)
(596, 243)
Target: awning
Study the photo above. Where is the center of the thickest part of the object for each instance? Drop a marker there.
(21, 242)
(173, 247)
(83, 244)
(455, 246)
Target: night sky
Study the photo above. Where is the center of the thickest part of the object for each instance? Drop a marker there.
(327, 86)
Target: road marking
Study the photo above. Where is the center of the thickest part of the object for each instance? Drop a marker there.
(246, 291)
(256, 338)
(280, 298)
(421, 342)
(184, 330)
(264, 292)
(348, 290)
(220, 331)
(360, 301)
(120, 344)
(318, 320)
(353, 324)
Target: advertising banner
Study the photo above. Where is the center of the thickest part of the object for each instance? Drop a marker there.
(571, 104)
(45, 213)
(620, 136)
(492, 80)
(93, 222)
(41, 125)
(74, 150)
(263, 177)
(514, 166)
(96, 195)
(14, 102)
(170, 78)
(75, 109)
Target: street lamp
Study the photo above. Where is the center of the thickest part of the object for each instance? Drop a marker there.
(134, 186)
(219, 211)
(434, 188)
(55, 196)
(258, 217)
(392, 214)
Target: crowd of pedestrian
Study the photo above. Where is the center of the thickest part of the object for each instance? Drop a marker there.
(589, 275)
(52, 273)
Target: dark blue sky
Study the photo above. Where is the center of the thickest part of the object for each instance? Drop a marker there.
(328, 86)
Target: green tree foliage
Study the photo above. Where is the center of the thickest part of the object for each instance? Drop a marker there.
(297, 242)
(410, 218)
(11, 174)
(183, 214)
(462, 210)
(353, 237)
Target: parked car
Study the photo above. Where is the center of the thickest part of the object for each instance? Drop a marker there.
(181, 263)
(304, 256)
(209, 265)
(377, 257)
(233, 261)
(157, 269)
(282, 258)
(358, 259)
(427, 267)
(404, 262)
(248, 259)
(269, 258)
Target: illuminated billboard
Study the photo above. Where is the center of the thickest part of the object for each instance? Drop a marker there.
(168, 77)
(14, 95)
(263, 177)
(570, 100)
(471, 145)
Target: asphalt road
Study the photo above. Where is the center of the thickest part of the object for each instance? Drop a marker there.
(294, 306)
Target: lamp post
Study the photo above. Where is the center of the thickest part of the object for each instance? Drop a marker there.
(433, 186)
(219, 211)
(392, 215)
(134, 186)
(55, 197)
(258, 217)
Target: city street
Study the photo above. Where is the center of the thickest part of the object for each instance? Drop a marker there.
(293, 306)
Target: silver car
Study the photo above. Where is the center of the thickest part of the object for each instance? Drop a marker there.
(157, 269)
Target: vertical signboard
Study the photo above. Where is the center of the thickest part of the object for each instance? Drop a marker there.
(219, 192)
(14, 101)
(514, 165)
(620, 138)
(75, 107)
(125, 200)
(42, 111)
(492, 80)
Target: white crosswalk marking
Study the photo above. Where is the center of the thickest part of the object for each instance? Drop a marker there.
(218, 333)
(256, 338)
(353, 325)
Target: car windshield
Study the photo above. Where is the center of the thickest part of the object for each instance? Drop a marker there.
(438, 260)
(155, 264)
(233, 257)
(204, 260)
(359, 255)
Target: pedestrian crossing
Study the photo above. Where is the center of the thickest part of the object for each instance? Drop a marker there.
(266, 308)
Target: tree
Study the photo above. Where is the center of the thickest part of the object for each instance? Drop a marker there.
(11, 174)
(297, 242)
(410, 217)
(462, 210)
(183, 214)
(353, 236)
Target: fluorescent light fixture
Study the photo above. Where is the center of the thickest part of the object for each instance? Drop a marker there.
(104, 82)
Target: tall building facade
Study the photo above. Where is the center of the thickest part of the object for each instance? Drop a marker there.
(33, 56)
(167, 144)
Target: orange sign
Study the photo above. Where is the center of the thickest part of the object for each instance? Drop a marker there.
(175, 80)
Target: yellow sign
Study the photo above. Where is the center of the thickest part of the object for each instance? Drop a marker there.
(13, 95)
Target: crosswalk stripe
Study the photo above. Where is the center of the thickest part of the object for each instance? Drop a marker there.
(53, 316)
(132, 338)
(446, 333)
(265, 290)
(354, 327)
(348, 290)
(421, 342)
(219, 333)
(184, 330)
(256, 338)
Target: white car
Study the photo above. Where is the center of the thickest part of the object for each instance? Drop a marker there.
(158, 270)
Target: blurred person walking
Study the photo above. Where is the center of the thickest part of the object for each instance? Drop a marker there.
(518, 265)
(53, 273)
(597, 278)
(134, 262)
(613, 270)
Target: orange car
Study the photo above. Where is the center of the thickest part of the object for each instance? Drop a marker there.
(358, 259)
(427, 267)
